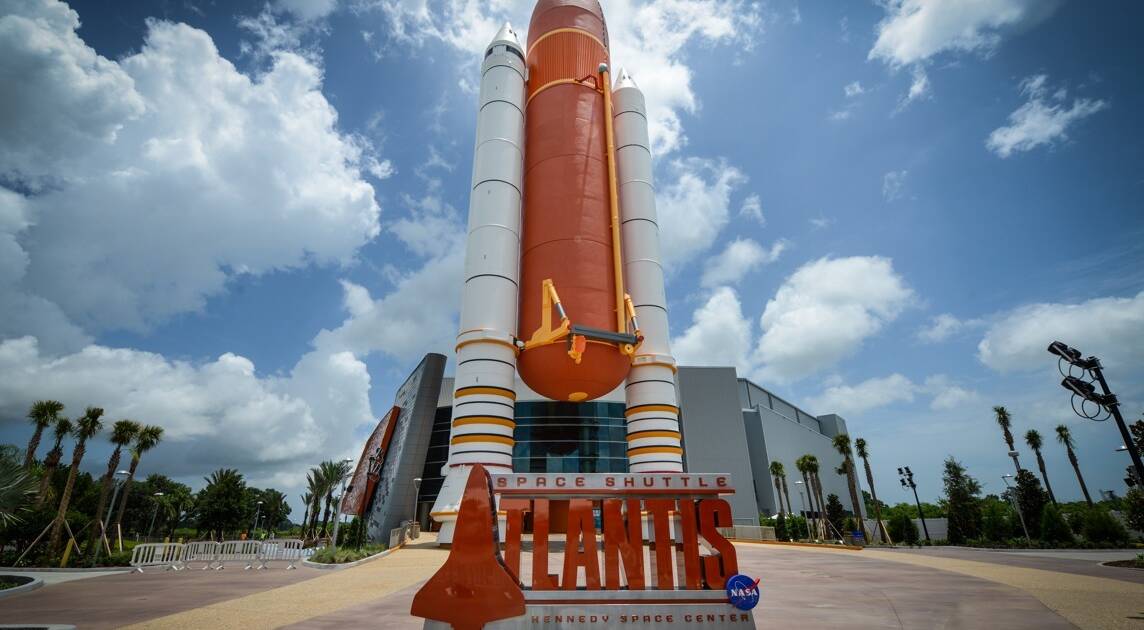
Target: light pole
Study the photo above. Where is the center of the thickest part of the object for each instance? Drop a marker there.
(1017, 506)
(116, 480)
(416, 489)
(257, 513)
(1087, 393)
(802, 504)
(906, 476)
(154, 513)
(338, 508)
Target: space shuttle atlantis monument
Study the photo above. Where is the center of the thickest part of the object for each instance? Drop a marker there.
(563, 281)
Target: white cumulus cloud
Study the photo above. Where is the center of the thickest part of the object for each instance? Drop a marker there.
(865, 396)
(824, 312)
(719, 335)
(693, 206)
(171, 172)
(1111, 328)
(742, 256)
(1042, 120)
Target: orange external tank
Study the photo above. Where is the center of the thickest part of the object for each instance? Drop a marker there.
(568, 232)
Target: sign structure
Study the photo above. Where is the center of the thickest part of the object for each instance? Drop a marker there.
(640, 551)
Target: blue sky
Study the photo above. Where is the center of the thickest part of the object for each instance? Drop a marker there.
(243, 221)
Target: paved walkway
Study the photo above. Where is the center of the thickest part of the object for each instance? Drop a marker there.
(807, 588)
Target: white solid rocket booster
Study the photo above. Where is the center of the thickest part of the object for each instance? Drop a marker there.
(652, 414)
(484, 394)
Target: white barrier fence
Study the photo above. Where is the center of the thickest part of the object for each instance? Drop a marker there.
(215, 555)
(201, 551)
(288, 549)
(167, 555)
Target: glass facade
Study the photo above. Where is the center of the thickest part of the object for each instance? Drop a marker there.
(554, 437)
(565, 437)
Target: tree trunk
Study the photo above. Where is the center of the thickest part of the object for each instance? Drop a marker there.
(104, 494)
(852, 481)
(1045, 476)
(61, 514)
(126, 492)
(821, 504)
(786, 491)
(326, 513)
(51, 462)
(33, 446)
(1079, 477)
(810, 494)
(779, 494)
(877, 506)
(314, 509)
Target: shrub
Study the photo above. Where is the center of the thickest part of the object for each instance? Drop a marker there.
(1100, 526)
(796, 527)
(781, 527)
(1134, 508)
(902, 529)
(1054, 529)
(345, 554)
(994, 522)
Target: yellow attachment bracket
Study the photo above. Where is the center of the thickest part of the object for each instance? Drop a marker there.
(627, 348)
(579, 344)
(546, 334)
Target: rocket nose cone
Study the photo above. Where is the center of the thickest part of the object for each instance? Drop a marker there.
(505, 36)
(625, 80)
(584, 15)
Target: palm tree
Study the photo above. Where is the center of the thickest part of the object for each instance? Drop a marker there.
(122, 434)
(148, 438)
(17, 487)
(42, 414)
(306, 499)
(1064, 437)
(815, 488)
(803, 468)
(786, 491)
(61, 429)
(864, 453)
(1033, 439)
(778, 473)
(86, 426)
(333, 472)
(1005, 422)
(841, 444)
(316, 486)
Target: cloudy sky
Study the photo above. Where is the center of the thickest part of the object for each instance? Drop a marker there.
(243, 221)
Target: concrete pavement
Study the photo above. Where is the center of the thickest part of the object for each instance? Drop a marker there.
(801, 587)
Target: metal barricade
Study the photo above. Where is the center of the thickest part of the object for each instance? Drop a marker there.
(288, 549)
(201, 551)
(169, 555)
(240, 551)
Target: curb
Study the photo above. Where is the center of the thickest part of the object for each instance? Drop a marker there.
(1107, 563)
(59, 570)
(324, 566)
(23, 588)
(780, 543)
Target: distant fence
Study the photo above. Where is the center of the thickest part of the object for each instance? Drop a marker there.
(748, 532)
(216, 555)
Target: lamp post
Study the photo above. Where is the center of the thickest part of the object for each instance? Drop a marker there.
(154, 513)
(254, 527)
(416, 489)
(117, 482)
(802, 504)
(1017, 506)
(338, 508)
(1087, 393)
(906, 477)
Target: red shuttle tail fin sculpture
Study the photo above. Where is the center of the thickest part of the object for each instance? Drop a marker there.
(474, 586)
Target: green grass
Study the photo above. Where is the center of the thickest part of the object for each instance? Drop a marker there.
(346, 554)
(11, 581)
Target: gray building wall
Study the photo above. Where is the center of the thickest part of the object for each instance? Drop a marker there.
(714, 436)
(777, 430)
(405, 459)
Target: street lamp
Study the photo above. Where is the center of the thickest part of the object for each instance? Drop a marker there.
(1017, 506)
(257, 513)
(117, 481)
(154, 514)
(802, 504)
(906, 477)
(1085, 390)
(416, 489)
(338, 508)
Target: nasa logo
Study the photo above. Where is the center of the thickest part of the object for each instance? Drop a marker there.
(743, 592)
